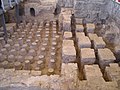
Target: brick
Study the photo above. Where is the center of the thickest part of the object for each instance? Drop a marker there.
(87, 56)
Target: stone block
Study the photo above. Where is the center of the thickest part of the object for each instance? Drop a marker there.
(84, 42)
(67, 35)
(68, 43)
(87, 56)
(113, 72)
(92, 36)
(105, 57)
(67, 25)
(99, 43)
(90, 28)
(35, 73)
(92, 71)
(80, 34)
(79, 28)
(94, 76)
(68, 54)
(79, 21)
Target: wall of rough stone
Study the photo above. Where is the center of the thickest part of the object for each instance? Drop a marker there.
(113, 9)
(113, 32)
(91, 9)
(66, 3)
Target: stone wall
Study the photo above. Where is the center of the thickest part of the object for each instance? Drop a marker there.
(91, 9)
(113, 9)
(66, 3)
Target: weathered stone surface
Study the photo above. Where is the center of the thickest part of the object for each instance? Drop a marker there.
(99, 43)
(84, 42)
(79, 21)
(90, 28)
(68, 54)
(105, 57)
(113, 72)
(79, 28)
(92, 71)
(87, 56)
(68, 43)
(66, 3)
(80, 34)
(67, 35)
(92, 36)
(117, 49)
(69, 71)
(35, 73)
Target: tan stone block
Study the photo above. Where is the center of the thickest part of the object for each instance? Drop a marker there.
(67, 35)
(90, 28)
(92, 36)
(68, 43)
(35, 73)
(92, 71)
(105, 57)
(68, 54)
(99, 43)
(87, 56)
(80, 34)
(79, 21)
(84, 42)
(79, 28)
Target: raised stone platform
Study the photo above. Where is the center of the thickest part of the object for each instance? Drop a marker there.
(105, 57)
(87, 56)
